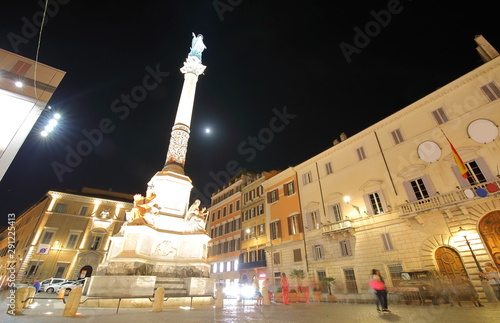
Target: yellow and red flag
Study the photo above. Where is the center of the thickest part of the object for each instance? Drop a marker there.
(460, 163)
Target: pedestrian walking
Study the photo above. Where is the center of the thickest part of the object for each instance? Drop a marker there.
(378, 285)
(36, 284)
(491, 273)
(284, 289)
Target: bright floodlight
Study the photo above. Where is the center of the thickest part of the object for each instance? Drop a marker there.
(53, 122)
(49, 128)
(44, 133)
(347, 199)
(19, 84)
(57, 116)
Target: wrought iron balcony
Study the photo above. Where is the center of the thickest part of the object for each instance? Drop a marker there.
(337, 226)
(439, 201)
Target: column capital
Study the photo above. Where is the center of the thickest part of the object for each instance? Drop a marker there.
(193, 65)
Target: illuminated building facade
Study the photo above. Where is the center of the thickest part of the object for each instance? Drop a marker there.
(65, 234)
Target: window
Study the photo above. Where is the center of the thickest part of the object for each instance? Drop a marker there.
(297, 255)
(272, 196)
(277, 279)
(350, 281)
(318, 252)
(95, 241)
(260, 209)
(397, 136)
(419, 189)
(276, 258)
(374, 202)
(252, 194)
(336, 212)
(387, 242)
(440, 116)
(306, 178)
(218, 214)
(47, 237)
(72, 240)
(252, 213)
(295, 224)
(395, 273)
(237, 205)
(313, 220)
(478, 172)
(289, 188)
(275, 229)
(328, 167)
(475, 174)
(321, 275)
(84, 209)
(260, 191)
(345, 248)
(361, 153)
(261, 229)
(60, 208)
(491, 91)
(224, 211)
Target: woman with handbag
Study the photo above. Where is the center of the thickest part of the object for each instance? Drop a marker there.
(378, 285)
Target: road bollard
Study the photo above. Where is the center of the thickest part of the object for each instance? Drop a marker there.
(20, 295)
(158, 300)
(219, 302)
(73, 302)
(31, 293)
(62, 293)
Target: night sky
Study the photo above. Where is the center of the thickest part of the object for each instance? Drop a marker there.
(293, 74)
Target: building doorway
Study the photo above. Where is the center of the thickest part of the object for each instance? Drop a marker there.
(85, 272)
(449, 263)
(489, 230)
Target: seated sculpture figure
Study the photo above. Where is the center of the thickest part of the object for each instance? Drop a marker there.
(196, 218)
(142, 206)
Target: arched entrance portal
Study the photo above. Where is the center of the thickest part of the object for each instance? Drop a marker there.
(489, 229)
(449, 263)
(86, 271)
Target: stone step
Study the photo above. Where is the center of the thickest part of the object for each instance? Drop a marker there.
(174, 287)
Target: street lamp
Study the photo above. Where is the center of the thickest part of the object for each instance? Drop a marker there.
(347, 199)
(463, 232)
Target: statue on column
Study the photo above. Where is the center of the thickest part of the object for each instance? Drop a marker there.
(143, 206)
(197, 46)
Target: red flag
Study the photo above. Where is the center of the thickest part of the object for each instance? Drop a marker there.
(461, 166)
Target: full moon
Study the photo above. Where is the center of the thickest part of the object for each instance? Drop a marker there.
(207, 130)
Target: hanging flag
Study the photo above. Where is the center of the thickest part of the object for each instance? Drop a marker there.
(460, 164)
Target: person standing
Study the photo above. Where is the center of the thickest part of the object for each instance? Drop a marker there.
(266, 297)
(284, 288)
(378, 285)
(491, 273)
(36, 285)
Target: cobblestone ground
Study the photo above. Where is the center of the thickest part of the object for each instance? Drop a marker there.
(233, 311)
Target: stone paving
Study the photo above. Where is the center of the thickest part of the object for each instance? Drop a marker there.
(234, 311)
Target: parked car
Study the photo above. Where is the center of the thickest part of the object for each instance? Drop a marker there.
(69, 286)
(44, 284)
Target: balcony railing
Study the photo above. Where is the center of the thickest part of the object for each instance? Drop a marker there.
(444, 200)
(338, 226)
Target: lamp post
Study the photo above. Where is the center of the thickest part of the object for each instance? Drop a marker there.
(488, 290)
(464, 234)
(347, 199)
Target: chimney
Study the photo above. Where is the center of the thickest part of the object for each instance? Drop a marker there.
(343, 136)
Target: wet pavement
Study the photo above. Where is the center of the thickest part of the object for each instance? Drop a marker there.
(51, 311)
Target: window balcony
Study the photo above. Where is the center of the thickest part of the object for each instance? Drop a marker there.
(452, 198)
(338, 226)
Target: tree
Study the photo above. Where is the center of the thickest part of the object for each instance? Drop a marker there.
(329, 282)
(298, 275)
